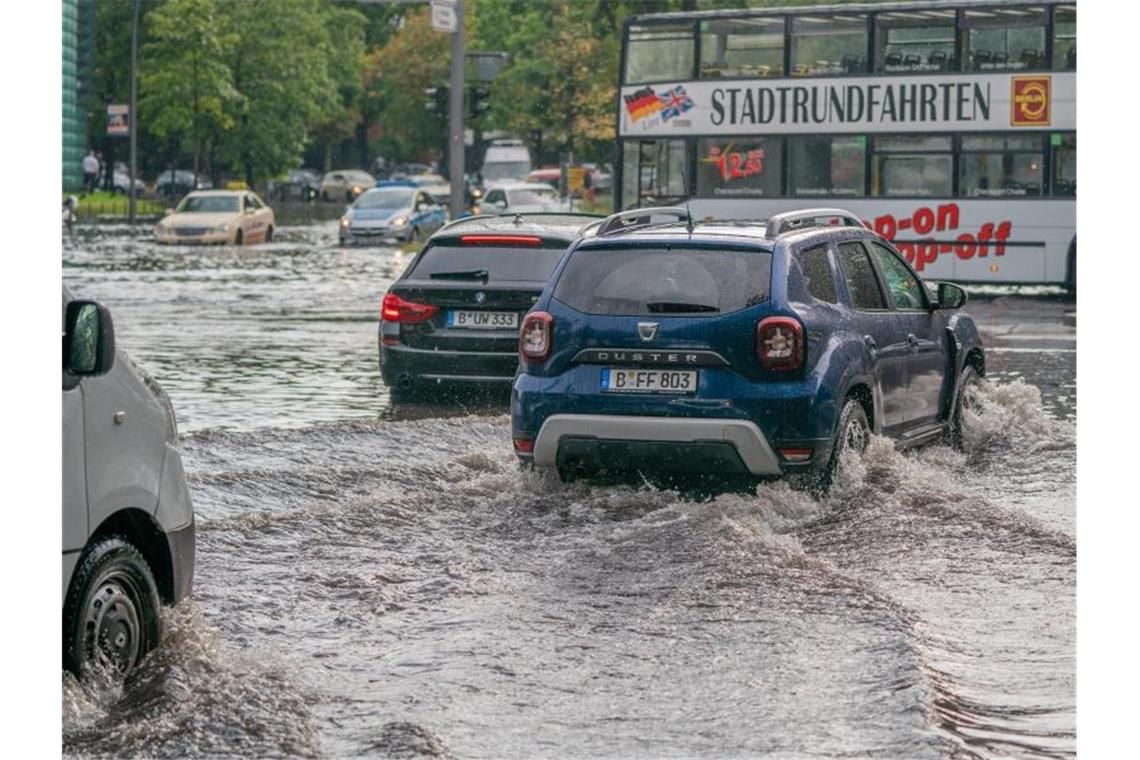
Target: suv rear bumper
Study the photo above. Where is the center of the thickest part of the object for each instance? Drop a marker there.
(744, 436)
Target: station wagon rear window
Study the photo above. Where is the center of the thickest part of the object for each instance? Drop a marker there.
(643, 281)
(501, 264)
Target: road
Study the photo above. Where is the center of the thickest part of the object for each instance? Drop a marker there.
(382, 580)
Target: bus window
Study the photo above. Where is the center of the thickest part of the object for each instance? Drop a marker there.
(742, 47)
(746, 166)
(827, 165)
(1004, 38)
(654, 172)
(1064, 164)
(826, 45)
(659, 53)
(1001, 165)
(1065, 37)
(912, 167)
(917, 40)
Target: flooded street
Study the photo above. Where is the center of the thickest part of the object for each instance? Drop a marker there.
(381, 580)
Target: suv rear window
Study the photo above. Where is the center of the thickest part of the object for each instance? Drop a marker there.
(641, 281)
(517, 263)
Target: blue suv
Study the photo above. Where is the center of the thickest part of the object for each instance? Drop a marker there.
(752, 348)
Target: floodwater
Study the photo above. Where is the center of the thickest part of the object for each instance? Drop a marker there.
(376, 580)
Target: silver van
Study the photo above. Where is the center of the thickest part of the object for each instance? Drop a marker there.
(128, 525)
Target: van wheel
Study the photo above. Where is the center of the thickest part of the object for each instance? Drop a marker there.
(968, 385)
(110, 618)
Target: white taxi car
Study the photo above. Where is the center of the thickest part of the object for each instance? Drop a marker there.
(236, 217)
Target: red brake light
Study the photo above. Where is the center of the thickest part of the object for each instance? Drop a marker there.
(780, 343)
(396, 309)
(524, 445)
(500, 240)
(536, 337)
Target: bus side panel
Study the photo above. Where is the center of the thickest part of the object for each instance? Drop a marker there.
(1020, 240)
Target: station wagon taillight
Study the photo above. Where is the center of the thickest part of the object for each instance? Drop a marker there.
(396, 309)
(780, 343)
(536, 337)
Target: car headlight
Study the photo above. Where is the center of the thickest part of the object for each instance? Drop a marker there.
(399, 221)
(344, 221)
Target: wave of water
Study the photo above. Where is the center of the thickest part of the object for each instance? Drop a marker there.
(436, 601)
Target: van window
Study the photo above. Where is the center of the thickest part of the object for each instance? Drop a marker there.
(643, 281)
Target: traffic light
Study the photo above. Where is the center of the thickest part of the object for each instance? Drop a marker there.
(437, 101)
(480, 100)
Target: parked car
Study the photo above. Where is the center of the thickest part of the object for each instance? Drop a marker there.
(174, 183)
(394, 211)
(602, 176)
(121, 183)
(299, 184)
(548, 175)
(453, 316)
(346, 184)
(237, 217)
(128, 524)
(522, 197)
(736, 348)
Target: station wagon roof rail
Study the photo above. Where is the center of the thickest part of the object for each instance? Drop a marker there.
(641, 217)
(793, 221)
(518, 218)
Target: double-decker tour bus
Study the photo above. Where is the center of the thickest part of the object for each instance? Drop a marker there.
(949, 127)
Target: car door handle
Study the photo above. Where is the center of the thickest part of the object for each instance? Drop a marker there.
(912, 340)
(870, 342)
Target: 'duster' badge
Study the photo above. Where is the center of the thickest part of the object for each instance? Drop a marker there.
(1029, 101)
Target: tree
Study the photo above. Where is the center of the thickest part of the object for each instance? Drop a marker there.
(185, 86)
(345, 53)
(280, 68)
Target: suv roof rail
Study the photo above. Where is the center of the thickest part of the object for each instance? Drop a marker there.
(791, 221)
(624, 220)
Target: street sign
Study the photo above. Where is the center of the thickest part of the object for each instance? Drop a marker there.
(118, 120)
(443, 16)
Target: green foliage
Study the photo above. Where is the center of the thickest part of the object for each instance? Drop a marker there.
(185, 87)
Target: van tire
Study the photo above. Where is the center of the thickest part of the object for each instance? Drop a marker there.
(111, 614)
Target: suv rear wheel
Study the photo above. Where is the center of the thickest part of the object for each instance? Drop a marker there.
(110, 618)
(852, 434)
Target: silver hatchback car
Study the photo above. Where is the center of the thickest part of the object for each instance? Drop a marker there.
(128, 524)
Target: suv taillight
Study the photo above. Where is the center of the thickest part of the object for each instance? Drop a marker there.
(396, 309)
(780, 343)
(536, 337)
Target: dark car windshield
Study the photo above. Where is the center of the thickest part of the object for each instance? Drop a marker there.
(194, 204)
(384, 199)
(522, 264)
(642, 281)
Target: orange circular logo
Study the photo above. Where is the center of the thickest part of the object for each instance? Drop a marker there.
(1033, 101)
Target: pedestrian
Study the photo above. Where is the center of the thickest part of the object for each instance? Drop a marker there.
(588, 183)
(90, 171)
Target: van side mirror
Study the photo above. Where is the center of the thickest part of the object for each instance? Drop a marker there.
(88, 339)
(950, 296)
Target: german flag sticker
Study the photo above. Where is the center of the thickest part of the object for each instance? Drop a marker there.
(1029, 101)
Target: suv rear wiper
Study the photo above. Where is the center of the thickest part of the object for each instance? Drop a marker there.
(667, 307)
(464, 274)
